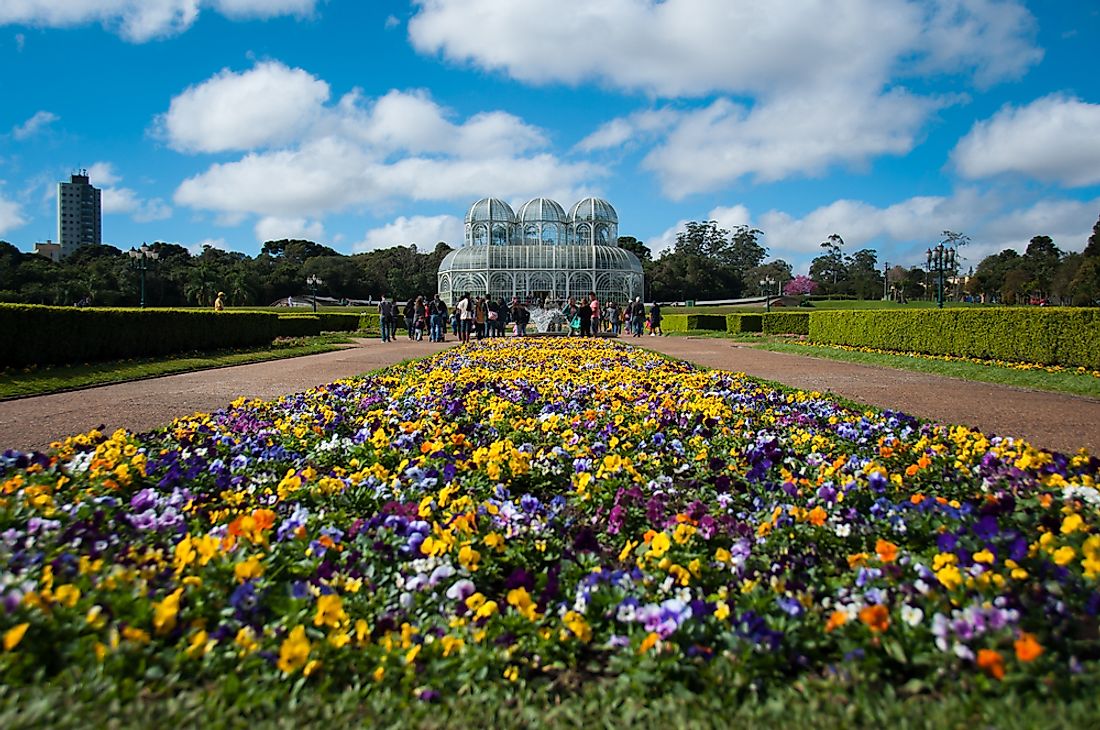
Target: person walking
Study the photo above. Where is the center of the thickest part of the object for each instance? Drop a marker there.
(418, 322)
(385, 317)
(655, 321)
(465, 309)
(612, 313)
(438, 315)
(637, 316)
(219, 303)
(584, 313)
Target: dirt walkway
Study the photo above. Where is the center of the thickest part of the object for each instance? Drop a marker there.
(1051, 420)
(32, 423)
(1060, 422)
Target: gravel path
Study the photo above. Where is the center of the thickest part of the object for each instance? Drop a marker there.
(1051, 420)
(1055, 421)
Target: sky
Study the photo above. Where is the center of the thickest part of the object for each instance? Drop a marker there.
(364, 125)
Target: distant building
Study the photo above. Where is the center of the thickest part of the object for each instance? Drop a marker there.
(49, 249)
(78, 214)
(542, 253)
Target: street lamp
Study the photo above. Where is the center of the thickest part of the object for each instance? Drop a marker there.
(314, 282)
(140, 262)
(766, 287)
(941, 259)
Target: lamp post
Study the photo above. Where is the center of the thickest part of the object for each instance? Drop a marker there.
(140, 262)
(941, 259)
(314, 282)
(766, 285)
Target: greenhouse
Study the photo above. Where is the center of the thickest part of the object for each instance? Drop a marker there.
(541, 253)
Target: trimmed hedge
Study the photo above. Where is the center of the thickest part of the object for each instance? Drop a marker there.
(787, 323)
(737, 323)
(40, 335)
(299, 325)
(338, 321)
(686, 322)
(369, 321)
(1049, 336)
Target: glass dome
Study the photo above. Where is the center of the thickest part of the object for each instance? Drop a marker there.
(490, 221)
(593, 210)
(542, 221)
(490, 210)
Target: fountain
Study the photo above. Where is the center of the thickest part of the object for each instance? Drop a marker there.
(548, 320)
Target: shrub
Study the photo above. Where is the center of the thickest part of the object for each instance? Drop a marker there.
(687, 322)
(338, 321)
(368, 321)
(299, 325)
(1049, 336)
(787, 323)
(40, 335)
(737, 323)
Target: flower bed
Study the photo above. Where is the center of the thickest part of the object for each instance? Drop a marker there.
(527, 510)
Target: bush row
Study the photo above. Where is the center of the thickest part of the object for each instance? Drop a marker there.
(299, 325)
(787, 323)
(1050, 336)
(368, 321)
(687, 322)
(738, 323)
(39, 335)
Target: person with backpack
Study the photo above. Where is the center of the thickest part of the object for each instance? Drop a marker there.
(437, 318)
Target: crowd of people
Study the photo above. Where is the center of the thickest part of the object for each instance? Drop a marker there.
(480, 317)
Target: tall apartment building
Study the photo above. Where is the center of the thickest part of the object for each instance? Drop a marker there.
(78, 214)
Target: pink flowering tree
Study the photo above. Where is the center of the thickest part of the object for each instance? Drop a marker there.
(800, 285)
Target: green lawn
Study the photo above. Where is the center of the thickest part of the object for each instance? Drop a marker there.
(40, 381)
(97, 702)
(1063, 382)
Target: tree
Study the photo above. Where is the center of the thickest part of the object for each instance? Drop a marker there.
(1041, 261)
(800, 285)
(864, 278)
(636, 247)
(1092, 247)
(779, 271)
(828, 269)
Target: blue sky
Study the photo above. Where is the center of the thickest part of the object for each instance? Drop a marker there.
(363, 125)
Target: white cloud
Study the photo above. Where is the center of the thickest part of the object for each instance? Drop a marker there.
(269, 104)
(11, 215)
(103, 173)
(392, 22)
(694, 47)
(141, 20)
(409, 121)
(424, 231)
(196, 248)
(801, 85)
(994, 39)
(126, 201)
(274, 228)
(360, 152)
(116, 200)
(800, 134)
(619, 131)
(1054, 139)
(35, 124)
(20, 42)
